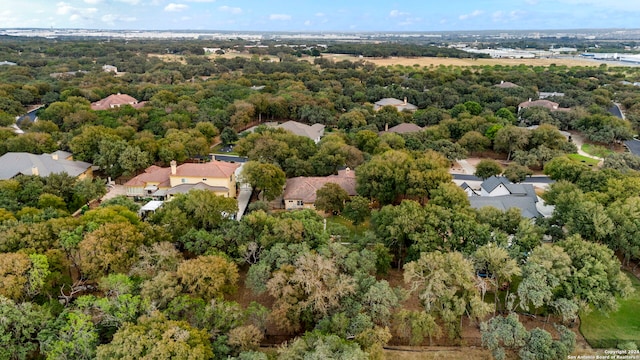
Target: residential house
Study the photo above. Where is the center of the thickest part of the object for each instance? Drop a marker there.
(116, 100)
(110, 68)
(544, 95)
(313, 132)
(506, 85)
(500, 193)
(403, 128)
(300, 192)
(553, 106)
(7, 63)
(16, 163)
(400, 105)
(158, 182)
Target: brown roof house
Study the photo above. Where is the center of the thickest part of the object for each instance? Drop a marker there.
(403, 128)
(398, 104)
(116, 100)
(159, 182)
(300, 192)
(553, 106)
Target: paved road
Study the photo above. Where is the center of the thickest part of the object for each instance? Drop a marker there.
(539, 179)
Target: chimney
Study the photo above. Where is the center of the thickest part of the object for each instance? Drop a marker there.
(34, 171)
(529, 99)
(174, 167)
(405, 100)
(501, 81)
(386, 127)
(54, 156)
(347, 170)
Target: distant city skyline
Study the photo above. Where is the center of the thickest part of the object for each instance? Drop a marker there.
(327, 15)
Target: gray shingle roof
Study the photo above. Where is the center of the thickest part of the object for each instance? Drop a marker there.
(314, 132)
(15, 163)
(527, 205)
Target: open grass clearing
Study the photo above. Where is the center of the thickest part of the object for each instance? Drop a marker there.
(596, 150)
(353, 230)
(608, 330)
(584, 159)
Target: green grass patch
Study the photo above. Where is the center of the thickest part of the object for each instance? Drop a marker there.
(353, 230)
(608, 330)
(217, 150)
(583, 159)
(596, 150)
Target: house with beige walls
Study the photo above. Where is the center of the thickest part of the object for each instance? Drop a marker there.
(158, 182)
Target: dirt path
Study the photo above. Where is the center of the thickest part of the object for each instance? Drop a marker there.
(578, 140)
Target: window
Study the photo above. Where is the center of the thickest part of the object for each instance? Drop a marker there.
(300, 203)
(205, 179)
(184, 181)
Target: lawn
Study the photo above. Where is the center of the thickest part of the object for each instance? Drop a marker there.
(583, 159)
(596, 150)
(352, 229)
(607, 331)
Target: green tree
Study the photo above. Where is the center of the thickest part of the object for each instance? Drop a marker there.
(517, 173)
(474, 142)
(208, 276)
(228, 136)
(266, 178)
(72, 336)
(487, 168)
(331, 198)
(357, 210)
(503, 333)
(511, 138)
(445, 285)
(112, 248)
(563, 168)
(21, 323)
(155, 337)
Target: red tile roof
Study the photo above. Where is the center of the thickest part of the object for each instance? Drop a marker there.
(213, 169)
(116, 100)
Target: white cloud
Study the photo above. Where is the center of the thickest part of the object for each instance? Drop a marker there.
(320, 14)
(501, 16)
(173, 7)
(308, 23)
(229, 9)
(396, 13)
(532, 2)
(622, 5)
(75, 14)
(113, 18)
(93, 2)
(279, 17)
(201, 1)
(130, 2)
(475, 13)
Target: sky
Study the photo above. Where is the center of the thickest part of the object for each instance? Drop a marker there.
(321, 15)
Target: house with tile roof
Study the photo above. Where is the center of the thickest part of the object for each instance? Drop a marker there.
(300, 192)
(164, 182)
(116, 100)
(547, 104)
(21, 163)
(400, 105)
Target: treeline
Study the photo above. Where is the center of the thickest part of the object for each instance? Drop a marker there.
(391, 49)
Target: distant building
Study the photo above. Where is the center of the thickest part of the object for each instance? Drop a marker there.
(300, 192)
(544, 95)
(7, 63)
(400, 105)
(110, 68)
(21, 163)
(506, 85)
(116, 100)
